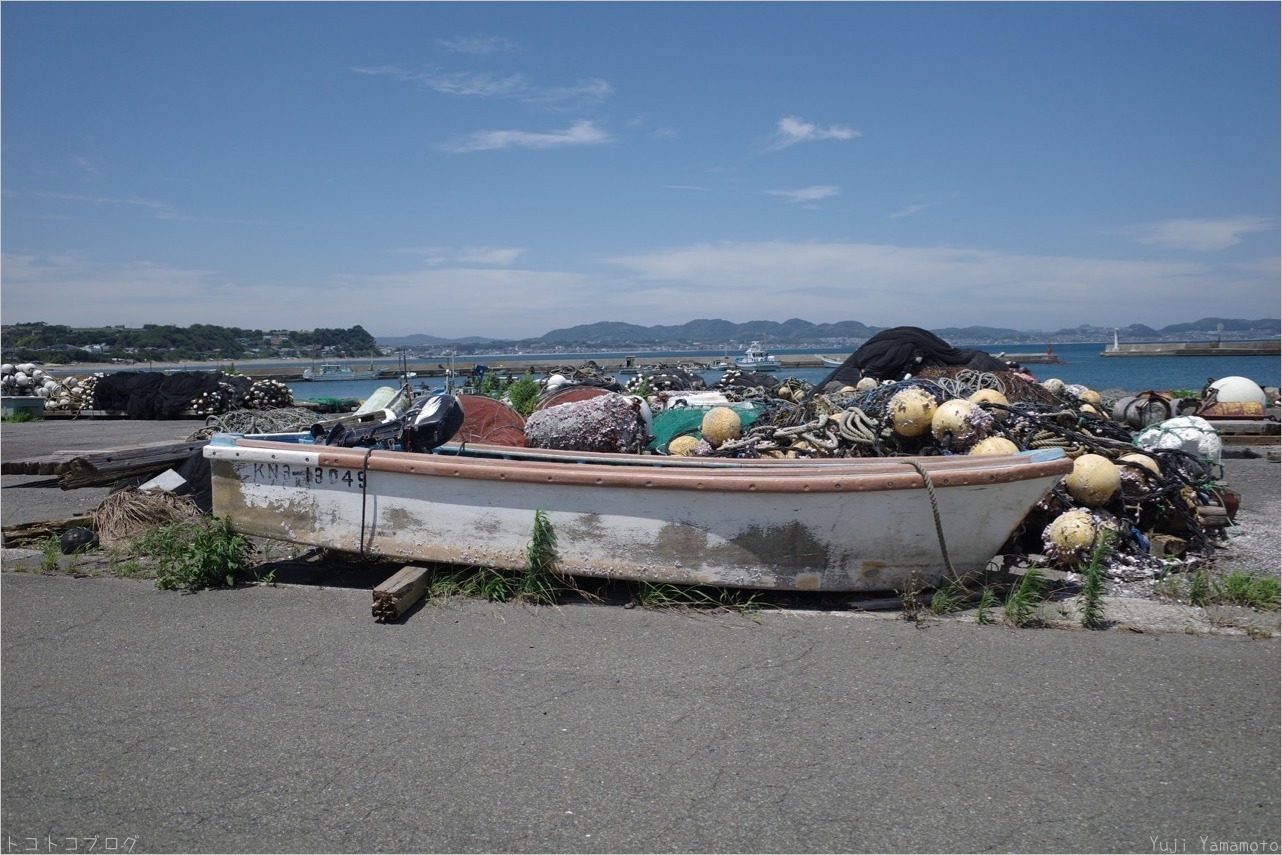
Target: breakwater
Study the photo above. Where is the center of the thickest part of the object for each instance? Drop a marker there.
(1195, 348)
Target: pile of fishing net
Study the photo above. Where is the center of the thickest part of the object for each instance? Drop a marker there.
(252, 421)
(154, 395)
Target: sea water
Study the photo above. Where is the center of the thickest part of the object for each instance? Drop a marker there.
(1083, 365)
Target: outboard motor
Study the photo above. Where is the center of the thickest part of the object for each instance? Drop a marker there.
(431, 422)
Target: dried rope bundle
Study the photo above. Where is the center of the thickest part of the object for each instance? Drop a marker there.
(130, 513)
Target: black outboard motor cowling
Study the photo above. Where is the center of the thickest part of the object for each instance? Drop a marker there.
(431, 422)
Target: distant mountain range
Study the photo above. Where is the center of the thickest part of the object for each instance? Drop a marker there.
(796, 333)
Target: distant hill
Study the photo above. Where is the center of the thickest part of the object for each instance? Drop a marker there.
(421, 340)
(713, 333)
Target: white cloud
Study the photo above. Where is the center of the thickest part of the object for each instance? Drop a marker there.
(87, 165)
(477, 290)
(807, 194)
(582, 132)
(1204, 235)
(486, 85)
(791, 130)
(497, 256)
(479, 45)
(909, 210)
(932, 286)
(159, 210)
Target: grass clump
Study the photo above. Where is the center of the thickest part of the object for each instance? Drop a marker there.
(1025, 598)
(204, 553)
(987, 602)
(664, 595)
(1240, 588)
(1093, 582)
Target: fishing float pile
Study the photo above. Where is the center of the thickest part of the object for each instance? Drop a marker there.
(1133, 487)
(26, 380)
(77, 394)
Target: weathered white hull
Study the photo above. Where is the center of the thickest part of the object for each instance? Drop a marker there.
(794, 525)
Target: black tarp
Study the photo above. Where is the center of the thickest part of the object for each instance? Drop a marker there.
(900, 351)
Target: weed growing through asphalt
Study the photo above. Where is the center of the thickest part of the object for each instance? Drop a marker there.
(203, 553)
(1240, 588)
(948, 599)
(663, 595)
(987, 602)
(49, 552)
(1093, 582)
(1200, 588)
(1025, 598)
(910, 597)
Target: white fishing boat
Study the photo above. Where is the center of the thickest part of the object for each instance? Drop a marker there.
(757, 359)
(335, 371)
(872, 524)
(829, 361)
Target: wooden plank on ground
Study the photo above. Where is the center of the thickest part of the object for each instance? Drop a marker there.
(102, 468)
(401, 590)
(33, 532)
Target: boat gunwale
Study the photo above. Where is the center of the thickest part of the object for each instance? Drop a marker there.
(846, 475)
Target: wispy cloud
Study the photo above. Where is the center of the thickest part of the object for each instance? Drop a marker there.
(910, 210)
(791, 130)
(934, 286)
(86, 165)
(479, 45)
(489, 256)
(487, 85)
(159, 210)
(1205, 235)
(463, 83)
(580, 133)
(807, 194)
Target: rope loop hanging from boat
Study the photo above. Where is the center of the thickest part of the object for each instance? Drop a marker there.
(364, 494)
(934, 509)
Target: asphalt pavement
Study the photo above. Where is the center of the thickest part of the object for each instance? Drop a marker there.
(284, 719)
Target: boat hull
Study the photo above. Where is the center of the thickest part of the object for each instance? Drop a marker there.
(859, 525)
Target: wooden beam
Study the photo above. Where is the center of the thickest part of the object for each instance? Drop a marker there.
(401, 590)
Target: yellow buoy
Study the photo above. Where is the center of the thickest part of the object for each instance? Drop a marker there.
(721, 424)
(992, 396)
(865, 384)
(1070, 537)
(1093, 481)
(683, 446)
(911, 411)
(994, 445)
(1142, 460)
(960, 424)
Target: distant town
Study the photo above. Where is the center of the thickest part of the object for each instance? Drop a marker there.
(60, 344)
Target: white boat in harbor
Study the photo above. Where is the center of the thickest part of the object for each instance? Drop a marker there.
(756, 358)
(335, 371)
(853, 524)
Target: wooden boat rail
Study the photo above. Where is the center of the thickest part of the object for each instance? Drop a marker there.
(826, 476)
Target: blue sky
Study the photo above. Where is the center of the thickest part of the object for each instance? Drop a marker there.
(506, 169)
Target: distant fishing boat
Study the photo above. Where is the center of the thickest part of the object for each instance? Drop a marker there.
(334, 371)
(756, 358)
